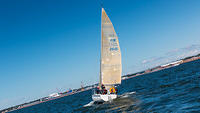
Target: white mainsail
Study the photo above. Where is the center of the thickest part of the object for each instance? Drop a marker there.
(111, 67)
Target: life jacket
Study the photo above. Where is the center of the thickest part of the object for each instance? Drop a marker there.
(112, 90)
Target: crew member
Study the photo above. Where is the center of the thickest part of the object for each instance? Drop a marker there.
(111, 91)
(102, 87)
(97, 90)
(104, 91)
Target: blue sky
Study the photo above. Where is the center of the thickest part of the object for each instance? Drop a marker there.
(49, 46)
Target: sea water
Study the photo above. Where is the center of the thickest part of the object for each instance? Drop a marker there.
(175, 89)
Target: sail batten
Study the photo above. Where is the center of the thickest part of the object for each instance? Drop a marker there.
(110, 53)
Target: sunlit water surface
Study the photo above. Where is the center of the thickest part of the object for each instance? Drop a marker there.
(176, 89)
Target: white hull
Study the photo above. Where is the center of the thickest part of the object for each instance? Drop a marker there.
(106, 97)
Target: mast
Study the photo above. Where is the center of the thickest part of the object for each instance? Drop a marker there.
(100, 82)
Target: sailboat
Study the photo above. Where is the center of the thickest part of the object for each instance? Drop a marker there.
(110, 62)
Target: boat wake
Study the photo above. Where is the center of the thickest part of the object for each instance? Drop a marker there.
(89, 104)
(128, 94)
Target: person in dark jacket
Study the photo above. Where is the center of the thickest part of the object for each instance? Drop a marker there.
(97, 90)
(102, 87)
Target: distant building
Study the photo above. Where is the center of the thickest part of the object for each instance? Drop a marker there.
(53, 95)
(172, 64)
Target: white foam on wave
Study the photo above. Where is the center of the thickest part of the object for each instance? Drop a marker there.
(127, 94)
(131, 92)
(124, 96)
(89, 104)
